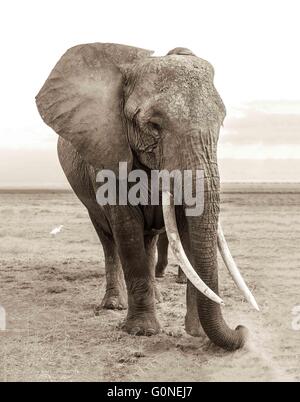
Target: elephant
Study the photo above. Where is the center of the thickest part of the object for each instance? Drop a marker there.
(110, 103)
(162, 259)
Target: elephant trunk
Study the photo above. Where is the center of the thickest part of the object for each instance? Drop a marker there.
(203, 247)
(198, 152)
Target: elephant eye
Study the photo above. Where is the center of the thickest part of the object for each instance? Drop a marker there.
(154, 125)
(155, 122)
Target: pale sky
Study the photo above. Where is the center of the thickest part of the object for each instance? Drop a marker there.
(253, 46)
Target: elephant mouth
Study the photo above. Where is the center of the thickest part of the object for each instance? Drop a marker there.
(178, 250)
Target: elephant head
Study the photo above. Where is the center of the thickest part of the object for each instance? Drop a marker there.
(116, 103)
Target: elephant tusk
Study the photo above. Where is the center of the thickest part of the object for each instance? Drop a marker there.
(177, 248)
(233, 269)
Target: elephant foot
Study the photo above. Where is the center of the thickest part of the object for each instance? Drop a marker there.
(160, 270)
(181, 278)
(114, 300)
(193, 326)
(146, 325)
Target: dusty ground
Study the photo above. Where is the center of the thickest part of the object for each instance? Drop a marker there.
(50, 285)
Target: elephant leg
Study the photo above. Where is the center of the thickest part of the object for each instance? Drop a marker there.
(181, 277)
(150, 248)
(192, 323)
(162, 260)
(115, 297)
(162, 255)
(136, 254)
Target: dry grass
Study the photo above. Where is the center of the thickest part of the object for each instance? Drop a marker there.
(50, 286)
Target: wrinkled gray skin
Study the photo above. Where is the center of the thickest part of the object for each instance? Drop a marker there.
(171, 115)
(162, 259)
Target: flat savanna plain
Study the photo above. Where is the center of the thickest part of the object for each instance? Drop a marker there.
(50, 287)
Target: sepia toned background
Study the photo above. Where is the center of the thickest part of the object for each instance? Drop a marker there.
(51, 286)
(251, 44)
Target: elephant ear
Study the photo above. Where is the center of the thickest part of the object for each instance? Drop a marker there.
(82, 101)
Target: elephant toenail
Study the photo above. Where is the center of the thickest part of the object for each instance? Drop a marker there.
(135, 331)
